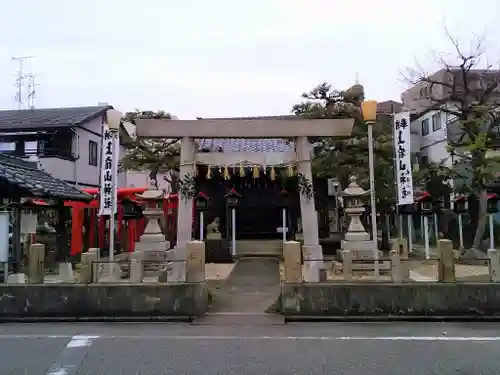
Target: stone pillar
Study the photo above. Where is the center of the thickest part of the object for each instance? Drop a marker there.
(292, 253)
(36, 257)
(195, 263)
(347, 256)
(446, 266)
(313, 254)
(397, 272)
(494, 263)
(88, 267)
(136, 268)
(184, 213)
(400, 247)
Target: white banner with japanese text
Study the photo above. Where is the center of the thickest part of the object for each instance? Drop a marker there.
(402, 137)
(109, 170)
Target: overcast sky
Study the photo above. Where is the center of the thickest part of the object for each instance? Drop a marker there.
(222, 57)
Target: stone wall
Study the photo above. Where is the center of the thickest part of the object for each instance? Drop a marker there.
(103, 300)
(416, 299)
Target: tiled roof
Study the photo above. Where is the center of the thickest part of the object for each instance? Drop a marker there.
(25, 176)
(282, 117)
(49, 117)
(247, 145)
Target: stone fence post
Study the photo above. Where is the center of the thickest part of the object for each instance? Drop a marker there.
(494, 265)
(399, 246)
(446, 263)
(397, 273)
(195, 262)
(36, 269)
(88, 267)
(136, 267)
(347, 256)
(292, 261)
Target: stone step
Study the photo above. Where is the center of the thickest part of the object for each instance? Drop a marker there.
(259, 247)
(240, 319)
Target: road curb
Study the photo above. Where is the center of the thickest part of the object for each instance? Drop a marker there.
(118, 319)
(312, 319)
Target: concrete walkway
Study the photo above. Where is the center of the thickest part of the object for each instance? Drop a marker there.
(252, 287)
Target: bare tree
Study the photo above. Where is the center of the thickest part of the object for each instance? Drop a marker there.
(467, 91)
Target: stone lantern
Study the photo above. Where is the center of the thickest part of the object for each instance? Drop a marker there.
(152, 243)
(353, 207)
(357, 241)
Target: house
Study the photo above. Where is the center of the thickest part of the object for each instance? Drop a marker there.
(417, 98)
(66, 142)
(432, 127)
(429, 137)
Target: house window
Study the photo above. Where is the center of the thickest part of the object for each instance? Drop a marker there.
(7, 146)
(93, 153)
(425, 127)
(30, 147)
(436, 121)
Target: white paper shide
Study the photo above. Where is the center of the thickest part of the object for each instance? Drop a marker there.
(402, 137)
(109, 170)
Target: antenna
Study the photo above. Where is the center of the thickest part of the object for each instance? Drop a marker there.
(20, 79)
(357, 78)
(32, 90)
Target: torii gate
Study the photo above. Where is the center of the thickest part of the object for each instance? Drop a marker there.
(299, 129)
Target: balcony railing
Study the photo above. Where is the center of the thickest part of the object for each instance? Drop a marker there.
(45, 153)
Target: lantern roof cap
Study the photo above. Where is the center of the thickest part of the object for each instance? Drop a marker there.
(354, 190)
(152, 192)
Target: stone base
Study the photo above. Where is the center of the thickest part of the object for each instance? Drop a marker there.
(152, 245)
(108, 273)
(65, 272)
(178, 266)
(313, 261)
(153, 254)
(357, 236)
(16, 278)
(357, 245)
(383, 266)
(366, 253)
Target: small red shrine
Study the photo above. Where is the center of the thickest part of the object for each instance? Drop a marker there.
(129, 226)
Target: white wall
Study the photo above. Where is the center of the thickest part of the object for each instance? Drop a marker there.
(433, 145)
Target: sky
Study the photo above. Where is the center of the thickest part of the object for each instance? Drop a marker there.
(223, 58)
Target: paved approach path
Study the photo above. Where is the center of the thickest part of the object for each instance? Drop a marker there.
(252, 287)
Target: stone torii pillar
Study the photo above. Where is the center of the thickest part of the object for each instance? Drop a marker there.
(184, 214)
(312, 251)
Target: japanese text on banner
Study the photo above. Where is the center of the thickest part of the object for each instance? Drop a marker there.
(109, 170)
(402, 136)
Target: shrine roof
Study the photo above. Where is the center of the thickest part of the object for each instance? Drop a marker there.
(29, 179)
(245, 145)
(248, 144)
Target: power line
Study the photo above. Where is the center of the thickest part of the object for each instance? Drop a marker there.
(20, 80)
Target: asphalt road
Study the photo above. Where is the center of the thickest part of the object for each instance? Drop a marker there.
(299, 348)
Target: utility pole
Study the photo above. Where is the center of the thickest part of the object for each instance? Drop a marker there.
(20, 80)
(32, 90)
